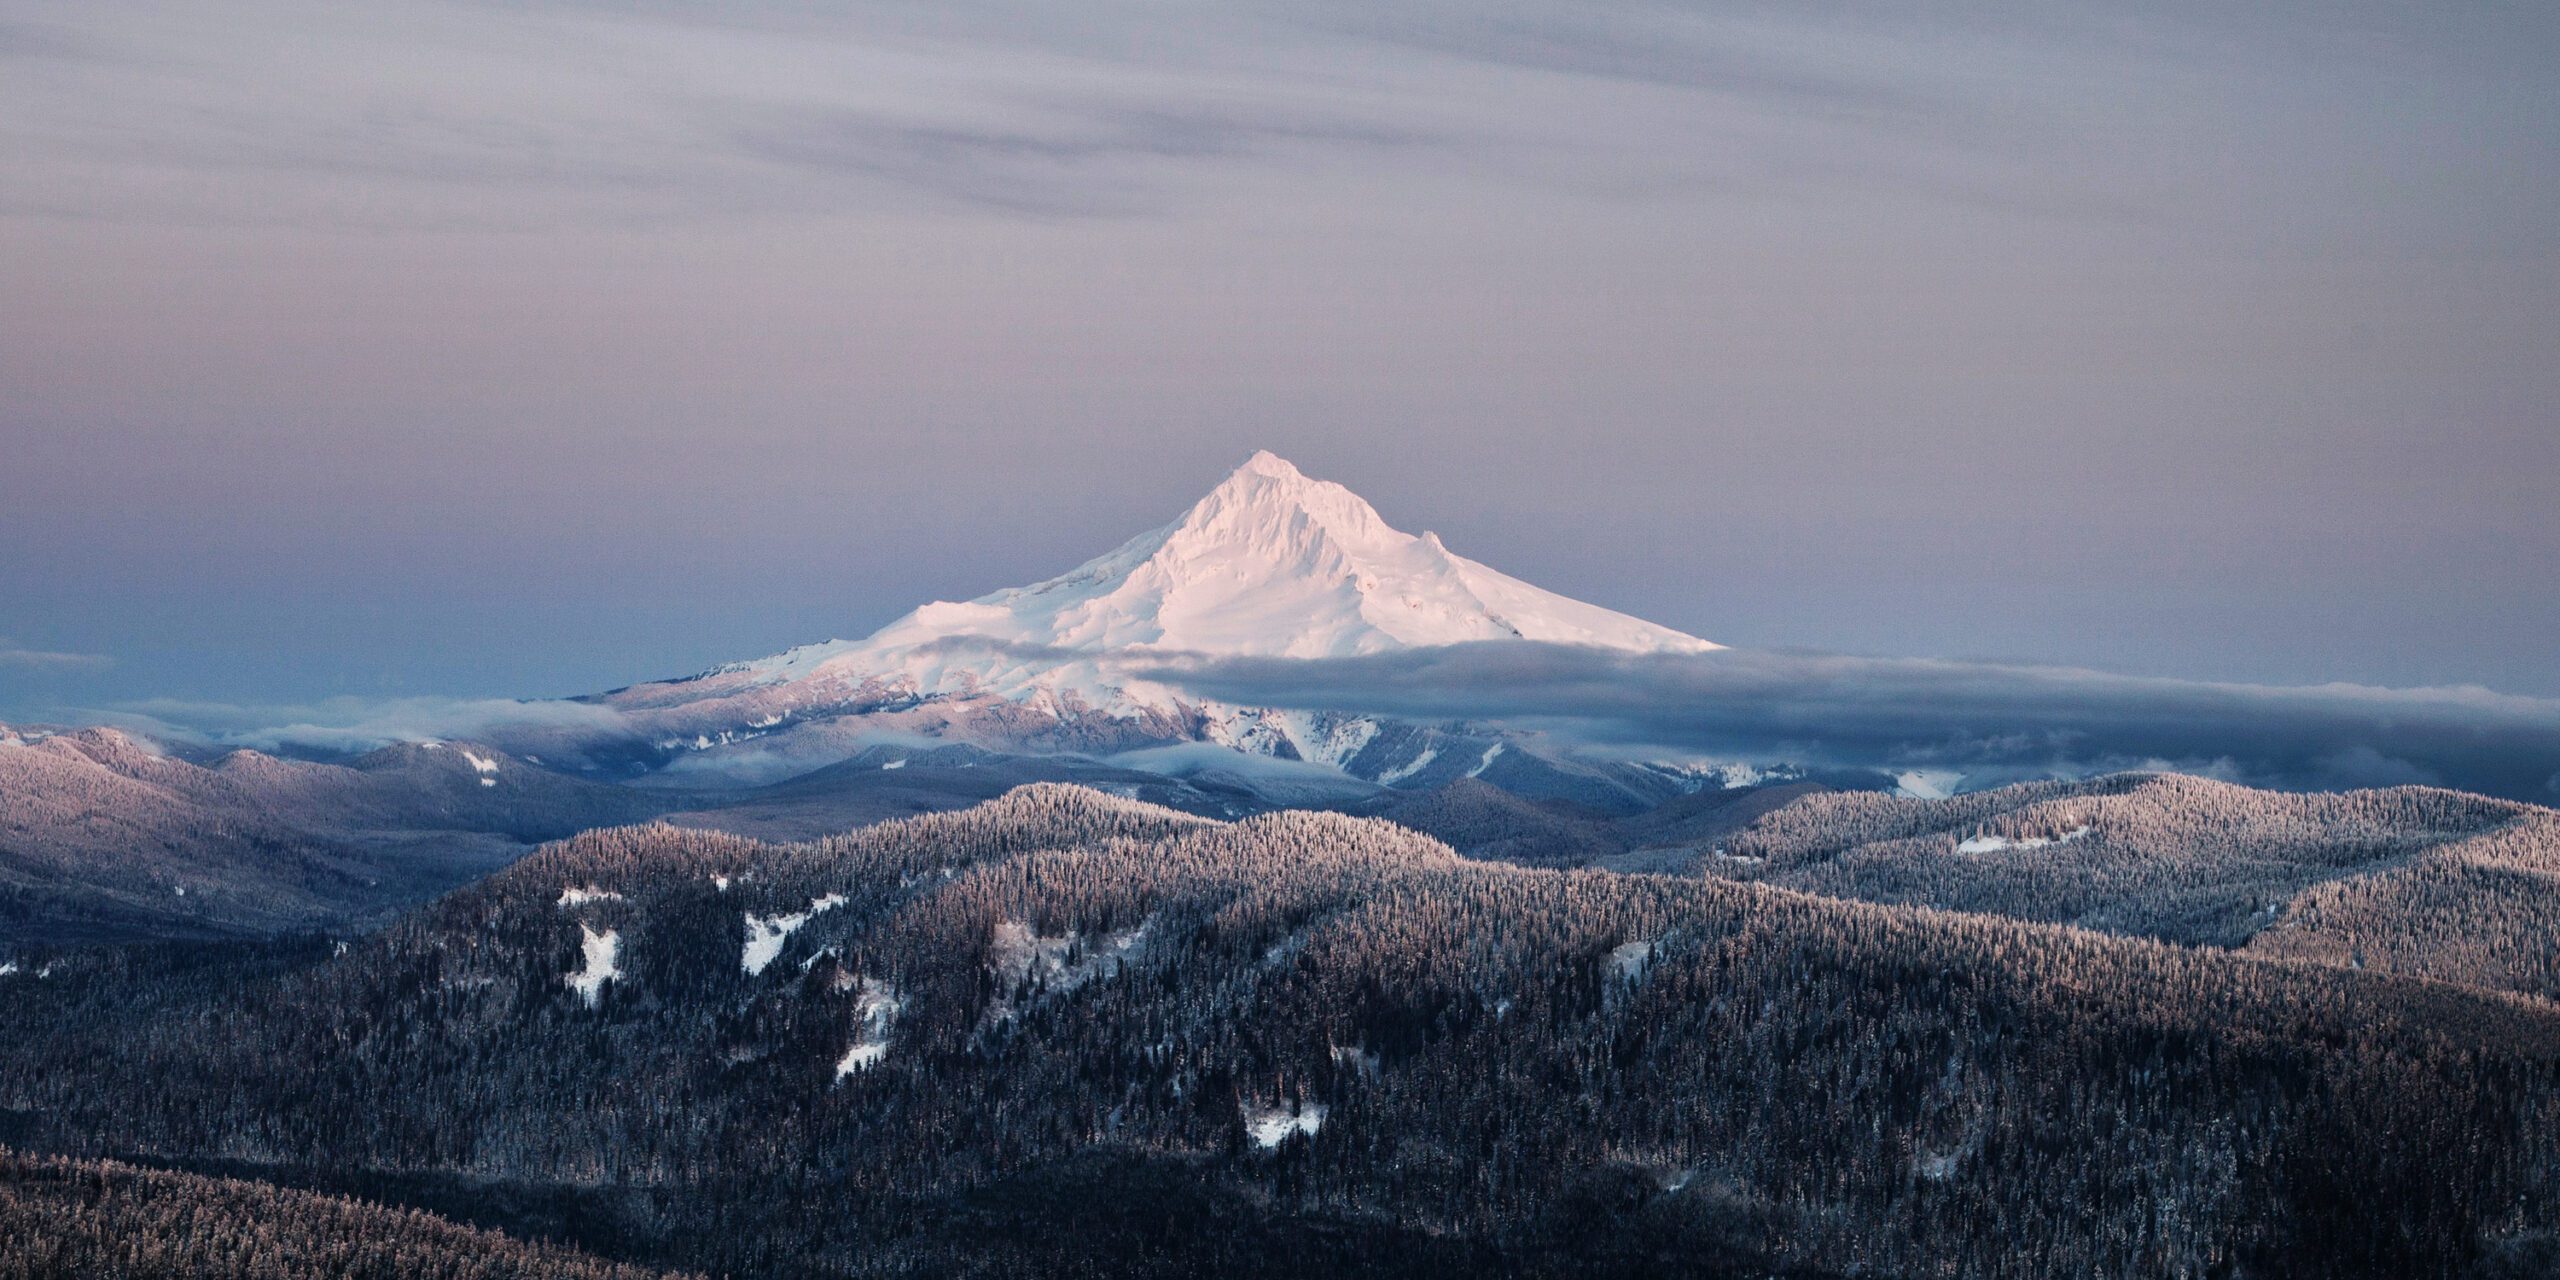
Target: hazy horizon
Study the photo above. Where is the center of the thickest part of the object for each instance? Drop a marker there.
(464, 350)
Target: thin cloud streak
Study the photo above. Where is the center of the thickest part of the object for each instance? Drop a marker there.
(47, 660)
(581, 113)
(354, 724)
(1079, 160)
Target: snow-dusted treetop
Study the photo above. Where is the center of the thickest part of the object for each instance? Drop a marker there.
(1270, 563)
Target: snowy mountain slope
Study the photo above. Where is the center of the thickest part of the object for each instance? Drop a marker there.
(1271, 563)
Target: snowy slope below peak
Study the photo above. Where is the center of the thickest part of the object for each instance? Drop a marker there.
(1270, 564)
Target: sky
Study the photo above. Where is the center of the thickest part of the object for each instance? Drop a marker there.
(372, 350)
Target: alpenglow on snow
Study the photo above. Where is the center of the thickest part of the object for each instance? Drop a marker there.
(1272, 563)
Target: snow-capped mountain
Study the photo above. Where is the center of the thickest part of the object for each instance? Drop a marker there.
(1272, 563)
(1275, 564)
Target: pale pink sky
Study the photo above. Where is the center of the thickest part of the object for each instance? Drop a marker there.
(361, 348)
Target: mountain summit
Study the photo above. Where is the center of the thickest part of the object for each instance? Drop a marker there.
(1272, 563)
(1275, 564)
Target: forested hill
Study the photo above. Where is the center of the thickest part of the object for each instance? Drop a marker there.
(107, 836)
(1063, 1033)
(99, 1218)
(2415, 880)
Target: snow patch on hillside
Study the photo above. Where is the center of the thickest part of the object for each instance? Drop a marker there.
(766, 934)
(603, 951)
(1987, 843)
(1409, 767)
(875, 1013)
(1061, 962)
(1926, 784)
(1628, 960)
(580, 895)
(1321, 739)
(1271, 1126)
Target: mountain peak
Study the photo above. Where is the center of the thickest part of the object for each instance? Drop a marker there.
(1270, 510)
(1270, 563)
(1266, 463)
(1274, 563)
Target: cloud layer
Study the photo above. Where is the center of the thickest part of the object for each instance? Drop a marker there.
(357, 724)
(48, 660)
(1989, 720)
